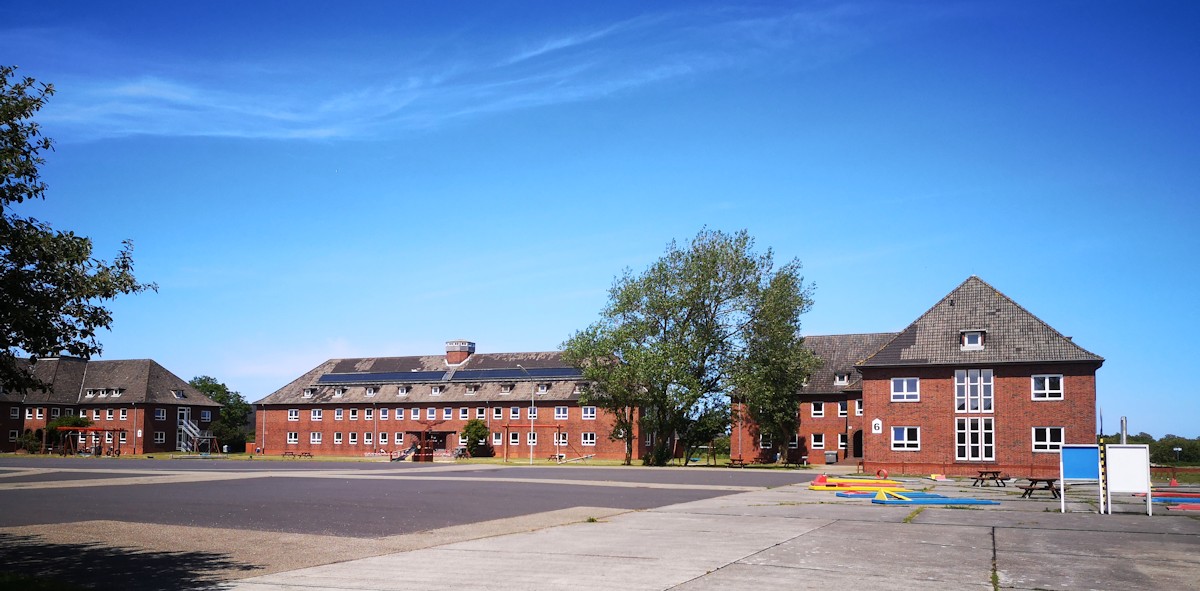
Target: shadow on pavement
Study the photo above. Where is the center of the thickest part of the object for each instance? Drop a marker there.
(103, 567)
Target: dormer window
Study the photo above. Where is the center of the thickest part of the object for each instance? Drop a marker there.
(103, 393)
(472, 390)
(178, 393)
(543, 388)
(506, 388)
(115, 392)
(402, 391)
(972, 340)
(308, 392)
(339, 392)
(841, 379)
(371, 392)
(90, 394)
(579, 386)
(436, 391)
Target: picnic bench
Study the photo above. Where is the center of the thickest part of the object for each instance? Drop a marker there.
(556, 457)
(1036, 484)
(993, 476)
(737, 463)
(288, 454)
(305, 454)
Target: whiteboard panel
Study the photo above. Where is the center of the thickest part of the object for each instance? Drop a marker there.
(1128, 468)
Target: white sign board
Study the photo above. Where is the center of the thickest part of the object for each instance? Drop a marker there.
(1127, 468)
(877, 426)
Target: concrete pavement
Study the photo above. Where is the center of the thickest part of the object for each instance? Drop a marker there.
(791, 537)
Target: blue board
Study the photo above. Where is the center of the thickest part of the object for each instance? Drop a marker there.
(1081, 462)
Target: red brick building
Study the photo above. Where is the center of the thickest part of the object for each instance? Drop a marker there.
(977, 382)
(144, 407)
(385, 405)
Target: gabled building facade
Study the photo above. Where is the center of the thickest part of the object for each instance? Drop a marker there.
(136, 405)
(977, 382)
(388, 405)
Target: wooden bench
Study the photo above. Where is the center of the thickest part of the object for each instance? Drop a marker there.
(556, 457)
(736, 463)
(305, 454)
(288, 454)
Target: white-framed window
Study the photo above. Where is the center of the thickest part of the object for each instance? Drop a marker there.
(70, 412)
(368, 414)
(1048, 438)
(543, 388)
(308, 392)
(497, 412)
(383, 414)
(818, 410)
(841, 441)
(764, 441)
(116, 392)
(531, 438)
(353, 438)
(447, 413)
(160, 414)
(561, 438)
(121, 437)
(497, 438)
(472, 390)
(354, 414)
(843, 405)
(108, 438)
(414, 414)
(506, 388)
(315, 437)
(398, 438)
(462, 440)
(589, 413)
(649, 439)
(293, 414)
(818, 440)
(90, 394)
(430, 413)
(29, 413)
(13, 434)
(971, 340)
(178, 394)
(975, 439)
(435, 390)
(54, 412)
(95, 414)
(560, 413)
(160, 437)
(906, 439)
(588, 439)
(339, 392)
(481, 413)
(533, 412)
(514, 412)
(337, 438)
(293, 437)
(41, 413)
(367, 437)
(514, 438)
(338, 414)
(464, 413)
(906, 389)
(402, 391)
(14, 412)
(371, 392)
(316, 414)
(973, 390)
(108, 414)
(794, 441)
(1047, 387)
(841, 379)
(858, 407)
(123, 414)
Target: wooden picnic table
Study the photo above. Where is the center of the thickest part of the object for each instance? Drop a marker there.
(986, 476)
(1036, 484)
(288, 454)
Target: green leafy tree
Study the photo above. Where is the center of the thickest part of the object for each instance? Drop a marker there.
(232, 426)
(675, 340)
(477, 431)
(54, 436)
(51, 289)
(609, 361)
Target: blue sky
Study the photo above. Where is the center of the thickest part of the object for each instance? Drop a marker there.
(306, 183)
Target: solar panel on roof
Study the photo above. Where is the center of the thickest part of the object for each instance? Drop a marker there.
(479, 375)
(389, 376)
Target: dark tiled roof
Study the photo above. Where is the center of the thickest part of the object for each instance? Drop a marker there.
(1011, 333)
(839, 353)
(456, 381)
(138, 380)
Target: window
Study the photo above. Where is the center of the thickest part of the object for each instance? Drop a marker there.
(560, 438)
(589, 413)
(293, 437)
(975, 439)
(858, 407)
(116, 393)
(841, 441)
(337, 438)
(462, 440)
(472, 390)
(818, 410)
(497, 413)
(383, 414)
(95, 414)
(90, 394)
(481, 413)
(514, 412)
(794, 441)
(102, 393)
(543, 388)
(514, 438)
(506, 388)
(13, 434)
(293, 414)
(402, 391)
(54, 412)
(108, 414)
(436, 391)
(354, 414)
(842, 406)
(308, 392)
(497, 438)
(906, 438)
(818, 441)
(841, 379)
(414, 414)
(973, 390)
(121, 437)
(398, 439)
(367, 438)
(764, 441)
(532, 438)
(41, 413)
(464, 413)
(337, 414)
(160, 437)
(533, 412)
(906, 389)
(339, 392)
(560, 413)
(123, 413)
(371, 393)
(70, 412)
(160, 414)
(29, 413)
(649, 439)
(971, 340)
(178, 394)
(368, 414)
(14, 412)
(314, 438)
(353, 438)
(1047, 438)
(1047, 387)
(447, 413)
(316, 414)
(588, 440)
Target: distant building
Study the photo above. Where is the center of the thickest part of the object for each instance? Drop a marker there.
(977, 382)
(137, 405)
(388, 405)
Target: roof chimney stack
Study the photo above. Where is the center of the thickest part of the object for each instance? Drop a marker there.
(458, 351)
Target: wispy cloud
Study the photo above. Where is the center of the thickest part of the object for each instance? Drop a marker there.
(283, 101)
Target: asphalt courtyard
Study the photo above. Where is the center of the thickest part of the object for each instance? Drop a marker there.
(271, 526)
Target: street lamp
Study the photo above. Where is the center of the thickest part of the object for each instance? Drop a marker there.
(532, 391)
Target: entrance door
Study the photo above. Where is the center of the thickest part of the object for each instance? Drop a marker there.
(857, 444)
(184, 415)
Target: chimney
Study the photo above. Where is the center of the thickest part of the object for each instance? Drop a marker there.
(458, 351)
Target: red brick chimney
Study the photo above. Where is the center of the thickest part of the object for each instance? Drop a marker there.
(458, 351)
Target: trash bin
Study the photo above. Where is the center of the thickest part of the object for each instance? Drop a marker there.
(225, 449)
(831, 457)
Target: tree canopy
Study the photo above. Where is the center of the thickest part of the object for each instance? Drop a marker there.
(51, 289)
(232, 426)
(702, 322)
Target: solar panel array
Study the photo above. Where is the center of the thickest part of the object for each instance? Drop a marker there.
(386, 376)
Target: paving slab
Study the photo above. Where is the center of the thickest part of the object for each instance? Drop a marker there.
(780, 578)
(1065, 559)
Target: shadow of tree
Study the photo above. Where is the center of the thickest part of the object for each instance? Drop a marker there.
(104, 567)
